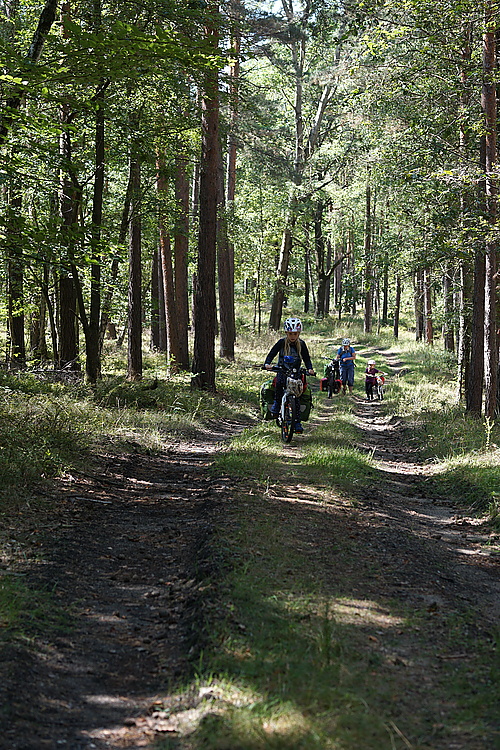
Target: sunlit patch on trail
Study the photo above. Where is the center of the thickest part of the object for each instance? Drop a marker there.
(353, 611)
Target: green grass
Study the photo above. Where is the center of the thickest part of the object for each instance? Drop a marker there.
(25, 613)
(286, 668)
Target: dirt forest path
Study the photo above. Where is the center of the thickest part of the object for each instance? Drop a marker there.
(125, 547)
(129, 546)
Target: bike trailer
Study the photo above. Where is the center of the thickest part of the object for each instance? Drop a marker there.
(267, 398)
(306, 403)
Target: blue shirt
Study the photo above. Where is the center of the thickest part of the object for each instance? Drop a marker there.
(342, 353)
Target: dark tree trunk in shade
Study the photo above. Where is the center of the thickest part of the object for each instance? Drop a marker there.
(181, 247)
(489, 105)
(203, 366)
(92, 333)
(135, 274)
(155, 302)
(15, 284)
(475, 381)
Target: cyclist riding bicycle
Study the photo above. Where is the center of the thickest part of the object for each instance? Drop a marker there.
(288, 346)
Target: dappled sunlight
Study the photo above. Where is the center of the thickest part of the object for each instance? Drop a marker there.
(365, 612)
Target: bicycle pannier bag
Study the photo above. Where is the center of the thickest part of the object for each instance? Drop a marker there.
(306, 403)
(267, 398)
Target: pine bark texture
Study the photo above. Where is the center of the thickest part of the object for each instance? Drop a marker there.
(203, 366)
(489, 104)
(135, 275)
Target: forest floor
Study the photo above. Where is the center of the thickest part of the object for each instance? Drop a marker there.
(127, 548)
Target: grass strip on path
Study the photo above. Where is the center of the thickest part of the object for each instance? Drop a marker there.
(313, 645)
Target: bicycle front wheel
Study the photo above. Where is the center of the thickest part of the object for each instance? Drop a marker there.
(288, 420)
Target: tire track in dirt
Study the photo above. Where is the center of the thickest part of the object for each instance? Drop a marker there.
(127, 549)
(466, 564)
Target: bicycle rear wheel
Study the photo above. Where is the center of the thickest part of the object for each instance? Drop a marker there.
(288, 420)
(331, 384)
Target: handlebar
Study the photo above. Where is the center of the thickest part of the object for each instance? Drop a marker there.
(282, 368)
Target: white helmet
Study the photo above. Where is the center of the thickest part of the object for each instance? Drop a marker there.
(346, 342)
(293, 325)
(371, 361)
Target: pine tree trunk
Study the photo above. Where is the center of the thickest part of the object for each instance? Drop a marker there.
(155, 302)
(92, 342)
(203, 366)
(181, 247)
(165, 259)
(397, 307)
(448, 332)
(225, 266)
(464, 331)
(428, 322)
(69, 203)
(385, 291)
(15, 285)
(115, 263)
(368, 261)
(135, 271)
(282, 270)
(475, 380)
(489, 104)
(419, 306)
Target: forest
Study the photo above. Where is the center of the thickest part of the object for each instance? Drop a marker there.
(178, 178)
(162, 161)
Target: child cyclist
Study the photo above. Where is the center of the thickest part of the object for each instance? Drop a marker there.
(290, 345)
(370, 379)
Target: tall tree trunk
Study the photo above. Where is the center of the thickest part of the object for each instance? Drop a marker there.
(15, 283)
(466, 300)
(397, 307)
(167, 268)
(368, 270)
(226, 257)
(320, 251)
(203, 366)
(282, 270)
(92, 342)
(305, 145)
(162, 311)
(489, 104)
(475, 380)
(135, 267)
(385, 290)
(155, 301)
(38, 324)
(307, 278)
(181, 247)
(115, 263)
(419, 306)
(428, 322)
(448, 332)
(225, 264)
(69, 203)
(464, 335)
